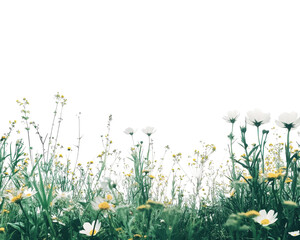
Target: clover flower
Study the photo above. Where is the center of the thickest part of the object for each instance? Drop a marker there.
(257, 117)
(231, 116)
(148, 131)
(89, 228)
(288, 120)
(265, 218)
(295, 233)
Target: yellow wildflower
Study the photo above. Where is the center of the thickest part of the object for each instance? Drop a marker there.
(16, 199)
(143, 207)
(251, 213)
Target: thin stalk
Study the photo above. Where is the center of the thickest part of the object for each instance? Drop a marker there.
(52, 126)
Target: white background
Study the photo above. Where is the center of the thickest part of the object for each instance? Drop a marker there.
(178, 66)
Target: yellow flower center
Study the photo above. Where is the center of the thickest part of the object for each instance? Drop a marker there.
(93, 232)
(109, 197)
(104, 206)
(17, 198)
(264, 222)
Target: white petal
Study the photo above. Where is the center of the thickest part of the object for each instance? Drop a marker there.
(263, 213)
(87, 226)
(280, 124)
(83, 232)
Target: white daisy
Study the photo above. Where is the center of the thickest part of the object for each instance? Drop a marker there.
(265, 218)
(257, 117)
(295, 233)
(129, 131)
(148, 130)
(288, 120)
(89, 228)
(28, 193)
(60, 194)
(102, 204)
(231, 116)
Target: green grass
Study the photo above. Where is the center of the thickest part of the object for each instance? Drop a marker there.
(46, 193)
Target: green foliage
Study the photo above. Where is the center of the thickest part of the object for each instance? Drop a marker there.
(46, 195)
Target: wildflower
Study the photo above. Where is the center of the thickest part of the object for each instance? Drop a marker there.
(89, 228)
(257, 118)
(61, 194)
(2, 229)
(101, 204)
(69, 149)
(155, 204)
(151, 177)
(295, 233)
(272, 176)
(288, 180)
(129, 131)
(251, 213)
(16, 199)
(288, 120)
(231, 116)
(248, 177)
(28, 193)
(143, 207)
(265, 218)
(148, 131)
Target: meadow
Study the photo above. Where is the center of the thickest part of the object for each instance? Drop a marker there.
(47, 193)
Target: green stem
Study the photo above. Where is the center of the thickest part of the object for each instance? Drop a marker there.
(92, 236)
